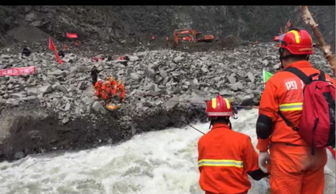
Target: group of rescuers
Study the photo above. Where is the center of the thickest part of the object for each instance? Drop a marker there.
(108, 89)
(226, 157)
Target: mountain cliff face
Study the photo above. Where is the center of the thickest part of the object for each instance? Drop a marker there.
(128, 26)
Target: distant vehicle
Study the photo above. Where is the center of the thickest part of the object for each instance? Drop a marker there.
(190, 35)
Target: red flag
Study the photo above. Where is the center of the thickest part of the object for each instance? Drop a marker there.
(71, 35)
(58, 58)
(53, 48)
(51, 44)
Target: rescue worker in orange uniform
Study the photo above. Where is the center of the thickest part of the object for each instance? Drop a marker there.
(105, 92)
(292, 166)
(121, 89)
(112, 86)
(98, 87)
(225, 157)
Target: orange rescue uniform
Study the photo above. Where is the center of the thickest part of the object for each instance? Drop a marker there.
(98, 87)
(225, 157)
(114, 87)
(293, 169)
(109, 88)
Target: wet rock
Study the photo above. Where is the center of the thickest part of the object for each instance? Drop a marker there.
(265, 62)
(19, 155)
(178, 59)
(171, 103)
(13, 102)
(58, 87)
(5, 95)
(250, 76)
(67, 106)
(194, 83)
(65, 120)
(150, 72)
(4, 56)
(29, 98)
(57, 72)
(236, 86)
(34, 135)
(10, 86)
(98, 108)
(45, 89)
(276, 66)
(82, 85)
(37, 23)
(204, 69)
(163, 73)
(30, 17)
(17, 95)
(133, 58)
(135, 76)
(87, 100)
(232, 78)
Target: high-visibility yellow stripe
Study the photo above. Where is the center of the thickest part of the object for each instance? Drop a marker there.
(214, 103)
(227, 103)
(291, 106)
(228, 163)
(296, 35)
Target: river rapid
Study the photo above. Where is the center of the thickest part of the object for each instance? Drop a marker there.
(154, 162)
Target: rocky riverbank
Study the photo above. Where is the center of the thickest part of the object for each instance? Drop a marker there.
(56, 108)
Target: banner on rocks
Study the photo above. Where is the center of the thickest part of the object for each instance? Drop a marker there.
(71, 35)
(16, 71)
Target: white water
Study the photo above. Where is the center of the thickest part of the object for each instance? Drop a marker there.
(155, 162)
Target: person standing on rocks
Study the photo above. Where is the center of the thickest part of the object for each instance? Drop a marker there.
(61, 53)
(94, 74)
(167, 41)
(25, 51)
(225, 157)
(294, 169)
(108, 90)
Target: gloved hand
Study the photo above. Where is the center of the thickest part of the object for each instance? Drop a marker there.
(263, 160)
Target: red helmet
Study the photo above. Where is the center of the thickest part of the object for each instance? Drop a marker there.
(297, 42)
(219, 107)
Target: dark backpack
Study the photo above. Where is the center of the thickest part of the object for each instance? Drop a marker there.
(317, 123)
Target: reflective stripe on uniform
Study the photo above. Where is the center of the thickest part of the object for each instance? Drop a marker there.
(212, 162)
(291, 106)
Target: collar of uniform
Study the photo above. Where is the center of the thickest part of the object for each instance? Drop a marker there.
(300, 64)
(219, 125)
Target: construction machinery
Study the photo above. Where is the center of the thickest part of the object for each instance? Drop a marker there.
(190, 35)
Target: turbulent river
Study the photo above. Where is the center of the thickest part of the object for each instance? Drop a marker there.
(154, 162)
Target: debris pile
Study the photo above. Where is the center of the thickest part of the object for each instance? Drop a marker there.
(163, 88)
